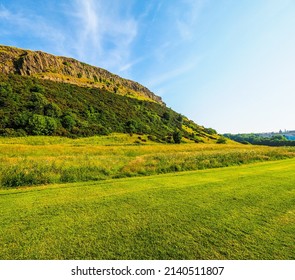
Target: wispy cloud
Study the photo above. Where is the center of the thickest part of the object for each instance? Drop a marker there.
(175, 73)
(104, 35)
(188, 17)
(95, 31)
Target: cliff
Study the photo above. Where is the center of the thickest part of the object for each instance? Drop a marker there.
(68, 70)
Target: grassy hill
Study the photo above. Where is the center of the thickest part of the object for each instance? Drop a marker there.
(33, 102)
(244, 212)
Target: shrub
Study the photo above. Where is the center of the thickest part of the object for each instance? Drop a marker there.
(52, 110)
(221, 140)
(177, 136)
(38, 102)
(68, 122)
(42, 125)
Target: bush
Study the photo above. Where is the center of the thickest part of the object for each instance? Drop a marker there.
(52, 110)
(42, 125)
(38, 102)
(68, 122)
(221, 140)
(177, 137)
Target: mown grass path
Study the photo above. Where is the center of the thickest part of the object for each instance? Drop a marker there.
(242, 212)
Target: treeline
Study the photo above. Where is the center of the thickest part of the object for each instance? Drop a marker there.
(256, 139)
(30, 106)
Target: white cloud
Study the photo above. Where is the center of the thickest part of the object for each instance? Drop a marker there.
(95, 31)
(175, 73)
(104, 36)
(187, 17)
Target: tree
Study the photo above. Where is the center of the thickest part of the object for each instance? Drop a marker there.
(51, 126)
(38, 102)
(7, 97)
(210, 131)
(68, 122)
(166, 116)
(177, 136)
(42, 125)
(52, 110)
(131, 126)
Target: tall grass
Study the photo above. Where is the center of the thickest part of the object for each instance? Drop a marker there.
(43, 160)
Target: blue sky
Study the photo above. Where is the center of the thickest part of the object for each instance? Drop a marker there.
(225, 64)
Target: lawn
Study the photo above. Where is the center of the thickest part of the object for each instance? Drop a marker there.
(237, 212)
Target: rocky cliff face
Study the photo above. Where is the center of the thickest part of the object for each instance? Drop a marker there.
(62, 69)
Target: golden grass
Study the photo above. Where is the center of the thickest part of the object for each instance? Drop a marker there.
(34, 160)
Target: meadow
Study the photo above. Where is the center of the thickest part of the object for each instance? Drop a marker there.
(125, 197)
(36, 160)
(239, 212)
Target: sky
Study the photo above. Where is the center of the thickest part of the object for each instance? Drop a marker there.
(225, 64)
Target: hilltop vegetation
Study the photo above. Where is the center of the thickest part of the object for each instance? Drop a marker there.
(30, 106)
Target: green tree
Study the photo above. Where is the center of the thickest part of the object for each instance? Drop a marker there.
(51, 126)
(131, 126)
(68, 121)
(52, 110)
(42, 125)
(21, 120)
(38, 103)
(166, 116)
(210, 131)
(177, 136)
(7, 97)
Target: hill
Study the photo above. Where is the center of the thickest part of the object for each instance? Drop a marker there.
(68, 70)
(43, 94)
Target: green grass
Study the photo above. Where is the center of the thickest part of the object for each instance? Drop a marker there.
(241, 212)
(45, 160)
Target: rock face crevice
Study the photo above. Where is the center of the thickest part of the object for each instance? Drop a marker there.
(63, 69)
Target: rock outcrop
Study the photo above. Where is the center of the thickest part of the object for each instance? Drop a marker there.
(68, 70)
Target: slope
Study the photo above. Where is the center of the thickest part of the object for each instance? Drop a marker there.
(41, 94)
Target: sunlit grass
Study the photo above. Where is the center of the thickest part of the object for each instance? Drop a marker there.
(242, 212)
(44, 160)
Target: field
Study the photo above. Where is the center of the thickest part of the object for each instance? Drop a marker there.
(245, 210)
(47, 160)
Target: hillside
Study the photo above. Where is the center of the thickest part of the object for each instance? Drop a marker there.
(68, 70)
(42, 94)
